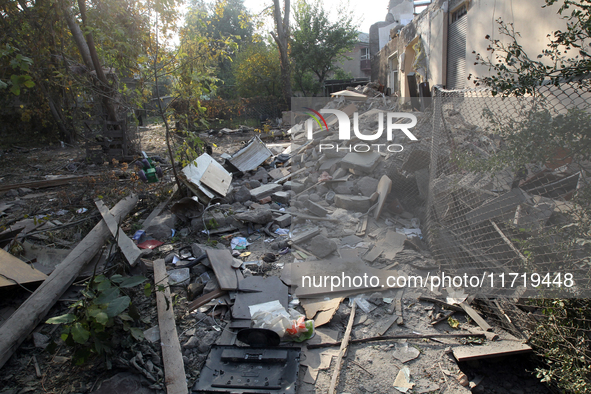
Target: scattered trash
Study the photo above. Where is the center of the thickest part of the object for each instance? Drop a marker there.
(82, 210)
(402, 382)
(239, 243)
(150, 244)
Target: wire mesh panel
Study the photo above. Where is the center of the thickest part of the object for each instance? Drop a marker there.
(509, 188)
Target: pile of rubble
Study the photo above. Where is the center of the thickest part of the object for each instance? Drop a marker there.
(242, 263)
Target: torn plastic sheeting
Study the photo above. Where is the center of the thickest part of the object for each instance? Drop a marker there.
(208, 176)
(251, 156)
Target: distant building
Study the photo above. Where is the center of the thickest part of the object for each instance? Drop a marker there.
(359, 65)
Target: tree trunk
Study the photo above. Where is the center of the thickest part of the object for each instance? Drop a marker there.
(78, 38)
(104, 84)
(282, 40)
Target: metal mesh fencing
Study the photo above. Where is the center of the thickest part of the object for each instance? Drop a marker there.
(509, 203)
(509, 188)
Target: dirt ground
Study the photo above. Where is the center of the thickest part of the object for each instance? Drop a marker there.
(370, 367)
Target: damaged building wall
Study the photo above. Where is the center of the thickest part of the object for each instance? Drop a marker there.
(482, 16)
(431, 28)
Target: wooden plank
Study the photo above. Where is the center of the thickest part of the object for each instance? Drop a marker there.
(15, 271)
(172, 357)
(342, 350)
(384, 188)
(384, 324)
(362, 227)
(475, 316)
(204, 299)
(22, 322)
(508, 242)
(441, 303)
(42, 184)
(131, 252)
(501, 348)
(221, 261)
(217, 178)
(288, 176)
(396, 337)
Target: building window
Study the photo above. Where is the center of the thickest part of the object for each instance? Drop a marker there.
(364, 53)
(460, 12)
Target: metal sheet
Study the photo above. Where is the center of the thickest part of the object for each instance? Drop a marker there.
(250, 157)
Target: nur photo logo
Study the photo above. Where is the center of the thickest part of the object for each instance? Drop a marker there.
(393, 124)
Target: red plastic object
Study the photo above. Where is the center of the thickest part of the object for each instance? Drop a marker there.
(150, 244)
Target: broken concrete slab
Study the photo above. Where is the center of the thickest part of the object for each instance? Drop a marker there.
(316, 209)
(367, 185)
(242, 194)
(161, 226)
(258, 215)
(361, 163)
(284, 220)
(352, 203)
(264, 191)
(281, 197)
(321, 246)
(497, 207)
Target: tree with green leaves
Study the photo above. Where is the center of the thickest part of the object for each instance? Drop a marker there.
(257, 70)
(319, 43)
(228, 26)
(567, 55)
(539, 135)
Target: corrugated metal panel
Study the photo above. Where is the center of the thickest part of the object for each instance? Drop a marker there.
(252, 156)
(456, 54)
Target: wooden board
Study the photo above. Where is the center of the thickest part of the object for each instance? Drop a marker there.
(42, 184)
(217, 179)
(14, 270)
(204, 299)
(475, 316)
(384, 188)
(221, 261)
(172, 357)
(506, 347)
(131, 252)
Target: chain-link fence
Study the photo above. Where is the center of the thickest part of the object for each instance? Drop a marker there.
(509, 203)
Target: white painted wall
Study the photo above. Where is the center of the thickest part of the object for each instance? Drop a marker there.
(532, 21)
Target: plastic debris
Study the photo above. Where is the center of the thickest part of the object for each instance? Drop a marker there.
(150, 244)
(239, 243)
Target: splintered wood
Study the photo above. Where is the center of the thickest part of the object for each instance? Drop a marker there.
(172, 357)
